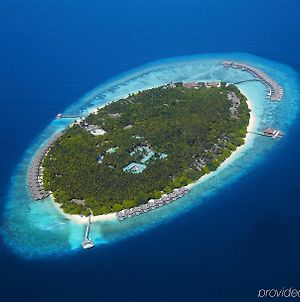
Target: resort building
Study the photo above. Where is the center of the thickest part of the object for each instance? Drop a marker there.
(114, 115)
(213, 84)
(79, 202)
(235, 103)
(153, 204)
(100, 159)
(135, 168)
(200, 84)
(98, 132)
(272, 133)
(190, 85)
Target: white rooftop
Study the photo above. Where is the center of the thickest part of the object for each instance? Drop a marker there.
(98, 132)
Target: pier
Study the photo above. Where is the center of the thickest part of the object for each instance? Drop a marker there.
(245, 81)
(35, 174)
(269, 132)
(87, 243)
(275, 92)
(153, 204)
(61, 116)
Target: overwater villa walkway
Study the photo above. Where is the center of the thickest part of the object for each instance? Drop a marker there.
(275, 91)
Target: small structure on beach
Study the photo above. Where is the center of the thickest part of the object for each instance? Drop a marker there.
(200, 84)
(190, 85)
(213, 84)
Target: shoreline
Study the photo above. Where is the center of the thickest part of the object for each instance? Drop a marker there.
(83, 219)
(25, 236)
(113, 216)
(236, 153)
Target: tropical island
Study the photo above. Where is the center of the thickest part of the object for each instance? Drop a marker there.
(145, 145)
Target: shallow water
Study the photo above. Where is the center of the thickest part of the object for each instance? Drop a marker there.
(37, 229)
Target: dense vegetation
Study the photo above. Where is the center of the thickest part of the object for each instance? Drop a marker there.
(190, 125)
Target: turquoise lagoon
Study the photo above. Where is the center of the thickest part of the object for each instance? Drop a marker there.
(37, 229)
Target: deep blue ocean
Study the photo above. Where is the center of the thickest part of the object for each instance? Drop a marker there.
(243, 238)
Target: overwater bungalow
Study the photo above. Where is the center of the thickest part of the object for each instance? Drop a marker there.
(275, 90)
(152, 204)
(144, 208)
(35, 182)
(121, 215)
(272, 133)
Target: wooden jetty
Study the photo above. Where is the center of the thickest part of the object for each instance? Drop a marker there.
(275, 91)
(87, 243)
(35, 180)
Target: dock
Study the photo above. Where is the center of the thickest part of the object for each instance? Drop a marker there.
(275, 91)
(153, 204)
(87, 243)
(61, 116)
(269, 132)
(35, 180)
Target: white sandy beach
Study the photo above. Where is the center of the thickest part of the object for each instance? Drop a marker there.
(83, 219)
(78, 218)
(113, 216)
